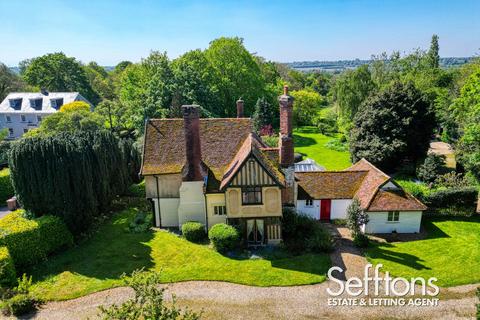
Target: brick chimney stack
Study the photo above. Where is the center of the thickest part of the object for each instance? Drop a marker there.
(240, 105)
(193, 169)
(286, 137)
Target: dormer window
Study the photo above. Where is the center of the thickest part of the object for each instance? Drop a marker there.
(16, 103)
(56, 103)
(36, 103)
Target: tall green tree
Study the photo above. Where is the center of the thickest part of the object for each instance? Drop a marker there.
(306, 106)
(194, 84)
(235, 74)
(265, 114)
(100, 81)
(467, 110)
(57, 72)
(391, 126)
(9, 82)
(351, 89)
(433, 53)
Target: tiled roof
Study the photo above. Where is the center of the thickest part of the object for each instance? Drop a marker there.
(374, 179)
(252, 145)
(164, 146)
(390, 200)
(330, 184)
(46, 101)
(272, 154)
(363, 181)
(225, 145)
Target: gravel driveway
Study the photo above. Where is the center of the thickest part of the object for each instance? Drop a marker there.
(221, 300)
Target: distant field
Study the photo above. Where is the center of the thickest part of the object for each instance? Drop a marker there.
(312, 144)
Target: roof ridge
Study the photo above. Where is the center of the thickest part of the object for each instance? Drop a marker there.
(375, 168)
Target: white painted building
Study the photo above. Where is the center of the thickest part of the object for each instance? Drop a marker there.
(326, 195)
(23, 111)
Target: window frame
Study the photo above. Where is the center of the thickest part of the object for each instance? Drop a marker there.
(23, 118)
(25, 130)
(393, 216)
(33, 103)
(257, 195)
(10, 132)
(39, 118)
(8, 119)
(309, 203)
(219, 210)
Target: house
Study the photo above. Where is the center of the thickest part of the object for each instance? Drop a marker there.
(326, 195)
(23, 111)
(219, 171)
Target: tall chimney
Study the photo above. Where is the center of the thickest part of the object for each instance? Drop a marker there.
(286, 138)
(193, 152)
(240, 104)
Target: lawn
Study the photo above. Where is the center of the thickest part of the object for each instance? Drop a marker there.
(311, 143)
(451, 253)
(99, 262)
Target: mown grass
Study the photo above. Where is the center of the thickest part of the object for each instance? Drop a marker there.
(311, 143)
(451, 253)
(98, 263)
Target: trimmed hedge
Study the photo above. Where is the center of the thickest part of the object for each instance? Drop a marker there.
(6, 187)
(194, 231)
(223, 237)
(30, 241)
(452, 202)
(8, 275)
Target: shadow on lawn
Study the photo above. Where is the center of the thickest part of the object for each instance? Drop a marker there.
(109, 253)
(398, 257)
(303, 141)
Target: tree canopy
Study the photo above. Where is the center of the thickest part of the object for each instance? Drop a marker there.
(57, 72)
(391, 126)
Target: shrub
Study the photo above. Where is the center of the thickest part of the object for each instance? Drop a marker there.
(337, 145)
(142, 222)
(271, 141)
(452, 202)
(30, 241)
(54, 233)
(7, 268)
(6, 188)
(356, 217)
(302, 233)
(148, 303)
(320, 240)
(19, 304)
(223, 237)
(327, 123)
(361, 240)
(432, 167)
(137, 190)
(417, 189)
(194, 231)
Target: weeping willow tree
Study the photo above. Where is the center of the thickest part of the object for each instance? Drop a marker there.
(71, 175)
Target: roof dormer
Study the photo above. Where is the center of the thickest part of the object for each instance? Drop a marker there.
(36, 103)
(16, 103)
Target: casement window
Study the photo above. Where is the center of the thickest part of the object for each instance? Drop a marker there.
(8, 119)
(393, 216)
(39, 118)
(24, 119)
(56, 103)
(36, 104)
(219, 210)
(25, 130)
(10, 132)
(252, 195)
(16, 103)
(309, 203)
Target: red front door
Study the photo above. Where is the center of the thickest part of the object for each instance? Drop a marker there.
(325, 207)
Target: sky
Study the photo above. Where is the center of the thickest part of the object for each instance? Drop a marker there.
(109, 31)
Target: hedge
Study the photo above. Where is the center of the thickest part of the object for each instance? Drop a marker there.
(72, 175)
(194, 231)
(6, 187)
(30, 241)
(7, 269)
(223, 237)
(452, 202)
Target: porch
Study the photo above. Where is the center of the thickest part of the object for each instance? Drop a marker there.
(258, 231)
